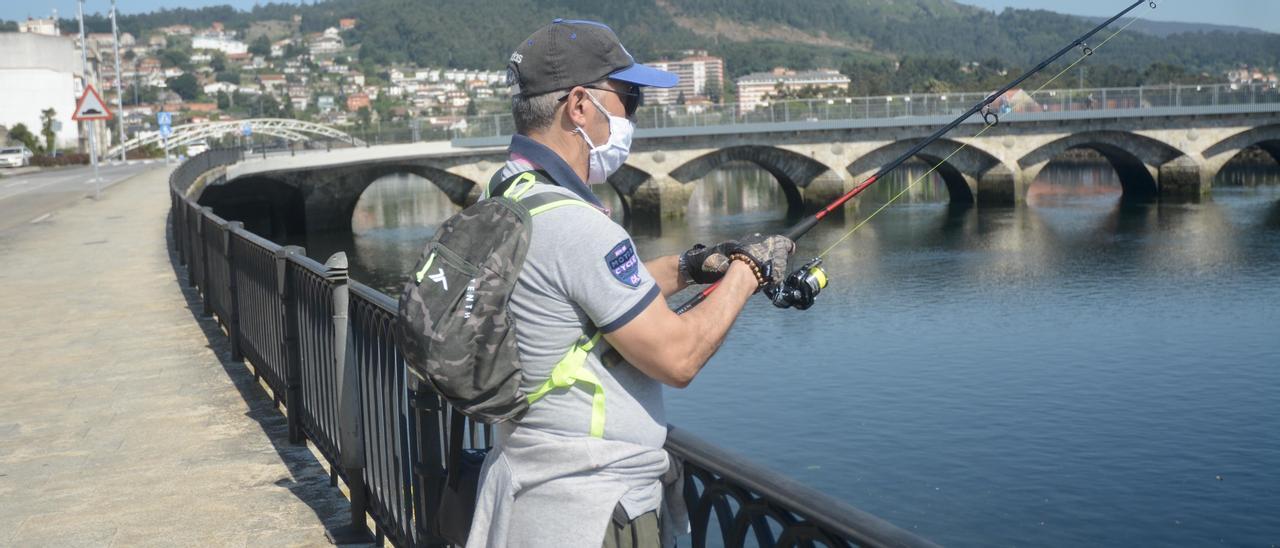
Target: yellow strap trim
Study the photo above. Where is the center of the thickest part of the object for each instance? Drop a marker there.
(422, 273)
(567, 201)
(521, 185)
(569, 371)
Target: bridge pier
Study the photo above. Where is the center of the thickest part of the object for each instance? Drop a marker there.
(1184, 178)
(330, 203)
(660, 196)
(1000, 186)
(822, 191)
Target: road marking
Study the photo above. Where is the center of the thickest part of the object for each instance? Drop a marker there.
(41, 218)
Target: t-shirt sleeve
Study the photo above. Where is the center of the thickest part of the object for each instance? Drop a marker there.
(601, 271)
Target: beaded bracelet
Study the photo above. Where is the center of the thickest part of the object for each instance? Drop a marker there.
(760, 281)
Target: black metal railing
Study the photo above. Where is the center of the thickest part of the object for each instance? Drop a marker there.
(324, 345)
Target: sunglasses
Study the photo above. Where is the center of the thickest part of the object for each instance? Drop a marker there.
(631, 99)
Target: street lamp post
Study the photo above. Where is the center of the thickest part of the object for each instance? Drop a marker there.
(84, 76)
(115, 33)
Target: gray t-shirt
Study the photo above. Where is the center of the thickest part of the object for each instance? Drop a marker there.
(582, 271)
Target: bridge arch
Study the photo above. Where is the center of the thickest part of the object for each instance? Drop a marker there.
(329, 196)
(268, 207)
(961, 171)
(1135, 158)
(1266, 138)
(792, 171)
(460, 190)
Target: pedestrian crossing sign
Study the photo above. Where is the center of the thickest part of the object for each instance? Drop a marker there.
(91, 107)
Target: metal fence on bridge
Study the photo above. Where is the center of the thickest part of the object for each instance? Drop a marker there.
(1099, 100)
(323, 344)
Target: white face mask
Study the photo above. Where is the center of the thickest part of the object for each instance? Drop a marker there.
(605, 159)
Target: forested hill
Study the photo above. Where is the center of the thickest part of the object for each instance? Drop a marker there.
(751, 35)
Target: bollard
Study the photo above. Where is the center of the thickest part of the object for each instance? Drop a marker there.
(350, 434)
(233, 323)
(292, 342)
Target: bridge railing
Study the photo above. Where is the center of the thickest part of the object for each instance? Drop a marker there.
(771, 111)
(324, 346)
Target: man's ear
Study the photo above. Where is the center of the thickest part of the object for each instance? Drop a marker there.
(575, 105)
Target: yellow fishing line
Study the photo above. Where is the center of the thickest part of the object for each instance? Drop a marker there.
(966, 145)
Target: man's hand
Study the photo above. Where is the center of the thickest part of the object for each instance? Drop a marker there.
(768, 256)
(705, 265)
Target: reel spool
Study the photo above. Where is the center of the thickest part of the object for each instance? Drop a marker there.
(801, 287)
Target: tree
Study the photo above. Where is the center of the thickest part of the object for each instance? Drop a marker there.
(46, 128)
(23, 135)
(680, 100)
(218, 62)
(224, 100)
(174, 58)
(365, 117)
(261, 46)
(229, 76)
(185, 86)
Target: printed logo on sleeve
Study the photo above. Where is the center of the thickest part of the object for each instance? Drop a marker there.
(623, 264)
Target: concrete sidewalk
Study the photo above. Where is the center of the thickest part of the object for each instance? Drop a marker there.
(122, 419)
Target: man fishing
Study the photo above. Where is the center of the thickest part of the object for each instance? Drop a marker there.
(584, 464)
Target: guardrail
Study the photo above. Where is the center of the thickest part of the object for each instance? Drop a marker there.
(780, 111)
(323, 344)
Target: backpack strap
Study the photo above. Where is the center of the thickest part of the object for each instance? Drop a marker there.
(547, 201)
(512, 187)
(571, 370)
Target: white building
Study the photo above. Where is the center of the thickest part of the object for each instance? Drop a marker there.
(37, 72)
(219, 42)
(328, 43)
(701, 76)
(225, 87)
(47, 27)
(755, 88)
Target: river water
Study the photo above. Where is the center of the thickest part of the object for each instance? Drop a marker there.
(1073, 372)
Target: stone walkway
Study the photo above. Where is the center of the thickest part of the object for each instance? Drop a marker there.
(122, 419)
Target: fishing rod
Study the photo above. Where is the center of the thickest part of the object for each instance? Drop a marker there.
(800, 287)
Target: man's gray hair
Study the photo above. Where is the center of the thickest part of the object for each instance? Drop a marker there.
(538, 112)
(534, 113)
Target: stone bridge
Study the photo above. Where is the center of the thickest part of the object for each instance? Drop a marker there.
(1166, 153)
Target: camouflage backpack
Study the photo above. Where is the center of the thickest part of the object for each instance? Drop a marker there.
(453, 326)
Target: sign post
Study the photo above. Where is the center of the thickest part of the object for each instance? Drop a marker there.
(90, 108)
(165, 121)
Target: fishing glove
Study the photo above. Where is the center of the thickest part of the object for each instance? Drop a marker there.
(767, 255)
(705, 265)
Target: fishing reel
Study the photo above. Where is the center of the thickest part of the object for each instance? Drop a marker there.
(800, 288)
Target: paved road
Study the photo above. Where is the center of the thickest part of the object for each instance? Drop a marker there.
(123, 421)
(28, 197)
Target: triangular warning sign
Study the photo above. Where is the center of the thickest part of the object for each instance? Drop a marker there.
(91, 107)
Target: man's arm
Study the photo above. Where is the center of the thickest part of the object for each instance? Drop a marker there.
(672, 348)
(666, 272)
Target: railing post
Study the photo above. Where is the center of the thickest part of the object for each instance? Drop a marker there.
(206, 304)
(292, 350)
(350, 434)
(428, 467)
(192, 248)
(233, 323)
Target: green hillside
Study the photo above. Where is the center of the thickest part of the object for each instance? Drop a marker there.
(753, 35)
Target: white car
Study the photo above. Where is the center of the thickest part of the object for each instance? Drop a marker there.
(17, 156)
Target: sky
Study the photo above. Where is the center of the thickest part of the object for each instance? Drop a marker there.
(1264, 14)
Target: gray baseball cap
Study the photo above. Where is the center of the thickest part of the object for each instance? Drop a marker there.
(570, 53)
